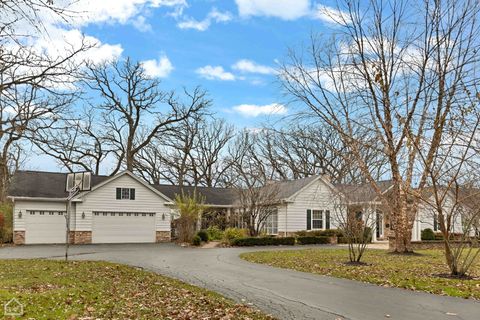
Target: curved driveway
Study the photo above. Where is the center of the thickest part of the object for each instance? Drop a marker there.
(285, 294)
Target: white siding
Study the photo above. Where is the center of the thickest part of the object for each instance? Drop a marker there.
(319, 196)
(19, 224)
(426, 213)
(104, 199)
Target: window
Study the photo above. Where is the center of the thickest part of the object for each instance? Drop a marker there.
(317, 219)
(435, 222)
(271, 222)
(125, 194)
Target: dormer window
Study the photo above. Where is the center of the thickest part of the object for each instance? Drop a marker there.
(125, 194)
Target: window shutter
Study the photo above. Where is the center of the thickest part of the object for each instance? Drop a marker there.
(327, 219)
(132, 194)
(119, 193)
(309, 219)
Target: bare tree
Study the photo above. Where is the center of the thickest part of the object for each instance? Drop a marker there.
(257, 198)
(34, 84)
(77, 143)
(395, 69)
(355, 218)
(451, 200)
(135, 111)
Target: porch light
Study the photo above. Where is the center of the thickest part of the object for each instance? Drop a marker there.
(83, 214)
(163, 216)
(20, 214)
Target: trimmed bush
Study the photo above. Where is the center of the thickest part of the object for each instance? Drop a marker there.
(214, 233)
(313, 240)
(231, 234)
(203, 234)
(438, 236)
(196, 241)
(319, 233)
(428, 234)
(264, 241)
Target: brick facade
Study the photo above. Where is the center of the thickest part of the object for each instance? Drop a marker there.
(19, 237)
(80, 237)
(163, 236)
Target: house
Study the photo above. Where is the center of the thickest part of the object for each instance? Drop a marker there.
(126, 209)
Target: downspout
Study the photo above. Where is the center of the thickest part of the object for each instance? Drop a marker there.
(286, 219)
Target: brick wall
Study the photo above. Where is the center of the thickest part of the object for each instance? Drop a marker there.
(80, 237)
(19, 237)
(163, 236)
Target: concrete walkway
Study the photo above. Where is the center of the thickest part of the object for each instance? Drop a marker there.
(286, 294)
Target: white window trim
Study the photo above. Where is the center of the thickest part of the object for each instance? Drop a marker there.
(323, 219)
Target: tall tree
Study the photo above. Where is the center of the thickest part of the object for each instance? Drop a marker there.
(398, 69)
(34, 84)
(134, 109)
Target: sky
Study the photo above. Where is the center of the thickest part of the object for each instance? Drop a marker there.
(231, 48)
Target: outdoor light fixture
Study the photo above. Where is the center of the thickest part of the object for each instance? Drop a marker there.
(83, 214)
(20, 215)
(163, 216)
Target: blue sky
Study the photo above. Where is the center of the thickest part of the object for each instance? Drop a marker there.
(230, 48)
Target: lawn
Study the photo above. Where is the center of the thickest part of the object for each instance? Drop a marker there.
(101, 290)
(414, 272)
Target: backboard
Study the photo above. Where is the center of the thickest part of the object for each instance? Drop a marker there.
(80, 180)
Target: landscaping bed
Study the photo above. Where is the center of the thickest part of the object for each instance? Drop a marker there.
(423, 272)
(101, 290)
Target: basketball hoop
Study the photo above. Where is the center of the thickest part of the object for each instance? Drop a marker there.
(76, 182)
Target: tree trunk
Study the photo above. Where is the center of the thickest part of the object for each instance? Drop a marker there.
(4, 175)
(403, 232)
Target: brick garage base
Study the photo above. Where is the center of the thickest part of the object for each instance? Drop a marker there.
(19, 237)
(163, 236)
(80, 237)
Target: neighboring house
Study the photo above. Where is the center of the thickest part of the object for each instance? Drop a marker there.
(125, 209)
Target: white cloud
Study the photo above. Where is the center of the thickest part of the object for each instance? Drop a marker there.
(252, 110)
(249, 66)
(160, 68)
(116, 11)
(283, 9)
(140, 23)
(331, 15)
(59, 40)
(213, 16)
(215, 73)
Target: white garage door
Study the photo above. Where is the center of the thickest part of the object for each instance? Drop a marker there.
(45, 227)
(123, 227)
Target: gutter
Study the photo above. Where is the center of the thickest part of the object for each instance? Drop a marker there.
(43, 199)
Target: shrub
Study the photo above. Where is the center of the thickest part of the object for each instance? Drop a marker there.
(427, 234)
(231, 234)
(196, 241)
(203, 234)
(438, 236)
(6, 230)
(313, 240)
(319, 233)
(263, 241)
(214, 233)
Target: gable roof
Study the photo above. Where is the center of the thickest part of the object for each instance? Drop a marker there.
(39, 184)
(213, 196)
(363, 192)
(288, 188)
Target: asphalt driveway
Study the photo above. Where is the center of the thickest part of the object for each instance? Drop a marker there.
(284, 293)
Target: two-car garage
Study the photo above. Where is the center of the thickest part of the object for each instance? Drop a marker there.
(43, 227)
(123, 227)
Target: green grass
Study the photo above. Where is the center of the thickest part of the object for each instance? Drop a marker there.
(414, 272)
(101, 290)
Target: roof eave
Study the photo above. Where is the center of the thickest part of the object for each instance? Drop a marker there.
(43, 199)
